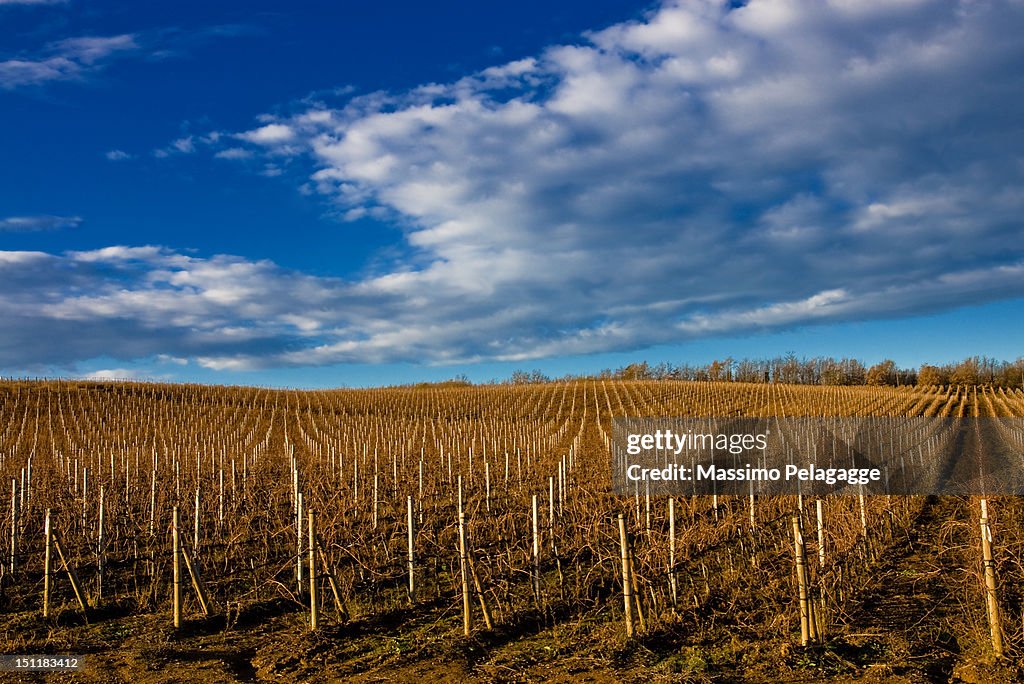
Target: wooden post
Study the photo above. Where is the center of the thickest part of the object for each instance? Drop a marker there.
(561, 484)
(410, 525)
(46, 566)
(152, 505)
(195, 526)
(647, 509)
(863, 513)
(753, 519)
(991, 598)
(76, 586)
(672, 551)
(801, 579)
(313, 598)
(197, 581)
(298, 543)
(821, 535)
(375, 485)
(220, 500)
(638, 603)
(467, 617)
(326, 568)
(481, 596)
(100, 543)
(14, 525)
(176, 563)
(627, 580)
(536, 552)
(551, 512)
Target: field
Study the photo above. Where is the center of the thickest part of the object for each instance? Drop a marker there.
(282, 494)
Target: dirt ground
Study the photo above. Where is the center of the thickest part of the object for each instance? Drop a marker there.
(894, 636)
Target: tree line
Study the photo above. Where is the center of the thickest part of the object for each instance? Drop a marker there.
(818, 370)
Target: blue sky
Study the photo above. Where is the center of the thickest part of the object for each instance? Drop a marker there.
(347, 194)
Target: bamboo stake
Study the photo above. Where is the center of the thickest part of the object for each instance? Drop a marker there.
(46, 566)
(672, 551)
(467, 617)
(100, 543)
(410, 524)
(220, 500)
(821, 534)
(176, 551)
(375, 484)
(72, 575)
(863, 513)
(801, 578)
(647, 509)
(152, 504)
(326, 569)
(14, 525)
(314, 608)
(484, 607)
(195, 525)
(627, 580)
(551, 512)
(298, 543)
(197, 580)
(536, 552)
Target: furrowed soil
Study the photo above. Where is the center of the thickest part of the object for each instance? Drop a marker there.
(910, 625)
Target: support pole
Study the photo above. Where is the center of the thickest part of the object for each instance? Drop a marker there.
(314, 608)
(46, 566)
(467, 616)
(410, 524)
(801, 579)
(14, 525)
(76, 586)
(821, 535)
(991, 598)
(176, 562)
(536, 552)
(197, 581)
(100, 544)
(627, 579)
(673, 584)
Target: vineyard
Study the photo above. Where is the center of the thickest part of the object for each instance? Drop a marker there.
(187, 533)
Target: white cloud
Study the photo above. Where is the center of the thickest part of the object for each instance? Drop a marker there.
(68, 59)
(30, 224)
(184, 145)
(18, 258)
(118, 155)
(91, 49)
(234, 153)
(271, 134)
(189, 144)
(107, 374)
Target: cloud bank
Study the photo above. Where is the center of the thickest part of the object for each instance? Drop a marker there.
(705, 170)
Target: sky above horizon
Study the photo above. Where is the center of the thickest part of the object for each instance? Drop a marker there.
(331, 194)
